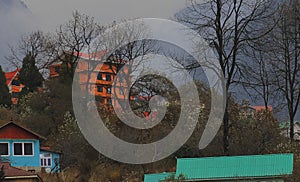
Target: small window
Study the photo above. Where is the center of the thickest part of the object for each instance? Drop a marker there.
(18, 149)
(99, 76)
(121, 91)
(119, 67)
(107, 77)
(23, 149)
(99, 88)
(46, 160)
(108, 90)
(15, 82)
(57, 69)
(4, 151)
(28, 149)
(109, 101)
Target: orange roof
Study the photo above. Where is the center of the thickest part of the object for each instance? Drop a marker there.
(96, 55)
(11, 75)
(260, 108)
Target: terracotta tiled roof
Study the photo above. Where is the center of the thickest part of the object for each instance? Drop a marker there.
(10, 171)
(11, 75)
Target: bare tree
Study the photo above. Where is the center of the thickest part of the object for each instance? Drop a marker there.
(74, 36)
(258, 76)
(285, 58)
(39, 44)
(125, 48)
(228, 26)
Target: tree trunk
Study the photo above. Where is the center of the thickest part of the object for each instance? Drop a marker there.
(225, 131)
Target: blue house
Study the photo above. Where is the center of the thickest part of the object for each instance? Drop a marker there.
(50, 160)
(21, 147)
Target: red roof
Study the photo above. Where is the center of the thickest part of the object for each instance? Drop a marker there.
(12, 130)
(11, 75)
(10, 171)
(48, 149)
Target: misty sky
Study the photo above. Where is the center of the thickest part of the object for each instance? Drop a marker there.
(55, 12)
(47, 15)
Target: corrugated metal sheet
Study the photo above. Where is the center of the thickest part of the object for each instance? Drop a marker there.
(235, 166)
(156, 177)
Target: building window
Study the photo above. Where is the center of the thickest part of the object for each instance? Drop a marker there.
(108, 90)
(107, 77)
(119, 67)
(15, 82)
(23, 148)
(28, 150)
(99, 76)
(18, 149)
(121, 91)
(109, 101)
(46, 160)
(99, 88)
(57, 69)
(4, 149)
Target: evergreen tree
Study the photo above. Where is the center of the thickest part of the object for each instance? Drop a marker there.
(5, 97)
(30, 75)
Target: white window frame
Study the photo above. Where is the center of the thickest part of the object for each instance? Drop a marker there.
(8, 148)
(23, 149)
(42, 157)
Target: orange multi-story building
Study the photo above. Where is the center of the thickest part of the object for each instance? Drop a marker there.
(98, 79)
(14, 85)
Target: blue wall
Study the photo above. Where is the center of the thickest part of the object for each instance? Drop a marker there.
(33, 161)
(55, 155)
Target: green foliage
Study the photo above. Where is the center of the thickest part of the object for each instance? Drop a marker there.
(51, 114)
(173, 178)
(69, 127)
(72, 143)
(30, 75)
(254, 133)
(5, 97)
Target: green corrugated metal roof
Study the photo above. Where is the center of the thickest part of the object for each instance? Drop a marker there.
(235, 166)
(156, 177)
